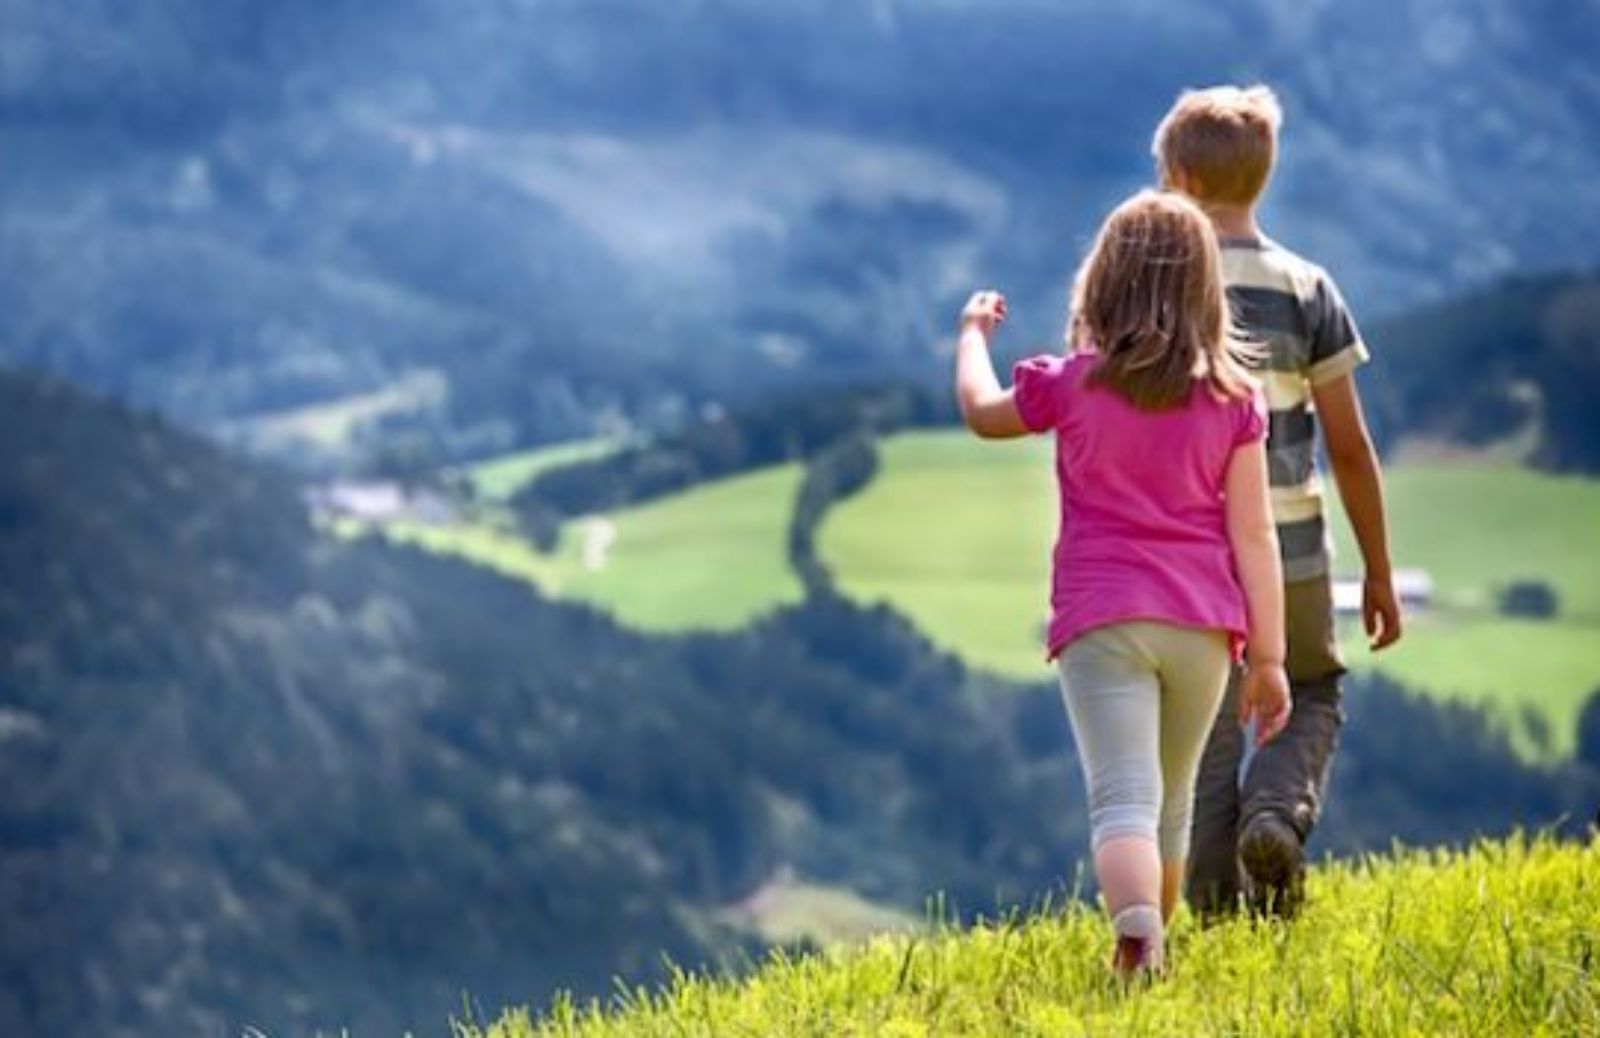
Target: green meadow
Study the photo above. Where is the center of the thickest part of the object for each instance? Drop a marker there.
(1477, 529)
(498, 479)
(956, 533)
(1498, 940)
(713, 558)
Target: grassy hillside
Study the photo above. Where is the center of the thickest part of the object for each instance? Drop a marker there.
(974, 575)
(955, 533)
(498, 479)
(1477, 529)
(713, 558)
(1495, 941)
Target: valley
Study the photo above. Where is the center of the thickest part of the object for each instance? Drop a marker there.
(955, 534)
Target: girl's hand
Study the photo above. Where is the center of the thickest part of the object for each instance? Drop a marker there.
(985, 311)
(1264, 697)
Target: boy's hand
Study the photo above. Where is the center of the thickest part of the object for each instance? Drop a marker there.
(1380, 612)
(985, 311)
(1264, 697)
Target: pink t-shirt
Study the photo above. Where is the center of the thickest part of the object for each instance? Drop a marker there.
(1143, 531)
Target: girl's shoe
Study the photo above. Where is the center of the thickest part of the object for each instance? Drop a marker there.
(1139, 951)
(1137, 958)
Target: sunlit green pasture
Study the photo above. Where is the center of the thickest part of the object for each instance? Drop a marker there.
(712, 558)
(1478, 528)
(956, 533)
(498, 479)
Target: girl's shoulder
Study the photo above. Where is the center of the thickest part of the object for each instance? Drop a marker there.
(1043, 384)
(1245, 414)
(1055, 367)
(1251, 414)
(1079, 360)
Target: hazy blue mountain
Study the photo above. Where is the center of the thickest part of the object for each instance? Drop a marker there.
(1522, 356)
(580, 211)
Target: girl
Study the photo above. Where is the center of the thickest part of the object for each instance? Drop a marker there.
(1166, 564)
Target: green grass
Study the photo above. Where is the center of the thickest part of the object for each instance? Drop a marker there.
(498, 479)
(1478, 528)
(1501, 940)
(494, 545)
(713, 558)
(956, 533)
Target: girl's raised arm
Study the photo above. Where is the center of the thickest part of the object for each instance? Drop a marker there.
(989, 411)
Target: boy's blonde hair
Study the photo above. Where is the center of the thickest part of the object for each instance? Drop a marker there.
(1223, 141)
(1149, 300)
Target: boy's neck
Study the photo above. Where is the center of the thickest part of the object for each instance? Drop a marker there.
(1234, 221)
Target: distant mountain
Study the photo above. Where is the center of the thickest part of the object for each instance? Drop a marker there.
(1520, 358)
(581, 214)
(224, 803)
(253, 776)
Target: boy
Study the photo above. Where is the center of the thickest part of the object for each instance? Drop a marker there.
(1218, 147)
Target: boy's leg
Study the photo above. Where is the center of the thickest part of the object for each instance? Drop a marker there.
(1213, 886)
(1286, 783)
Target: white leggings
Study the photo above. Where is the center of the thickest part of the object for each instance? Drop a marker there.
(1142, 697)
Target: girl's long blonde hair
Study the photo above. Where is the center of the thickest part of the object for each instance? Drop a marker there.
(1149, 300)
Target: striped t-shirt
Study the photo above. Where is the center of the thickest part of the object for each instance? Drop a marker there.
(1292, 307)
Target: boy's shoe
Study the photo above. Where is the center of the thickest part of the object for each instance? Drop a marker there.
(1274, 864)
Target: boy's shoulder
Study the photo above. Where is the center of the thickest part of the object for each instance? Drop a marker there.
(1266, 263)
(1295, 306)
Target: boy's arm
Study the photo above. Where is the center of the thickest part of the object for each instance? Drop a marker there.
(988, 410)
(1355, 472)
